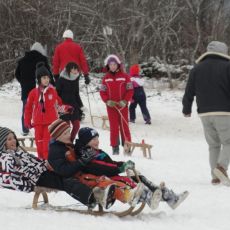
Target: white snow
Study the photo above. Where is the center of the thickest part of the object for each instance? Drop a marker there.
(179, 157)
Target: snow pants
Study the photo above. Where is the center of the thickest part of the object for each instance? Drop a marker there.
(139, 98)
(217, 134)
(72, 186)
(118, 121)
(42, 138)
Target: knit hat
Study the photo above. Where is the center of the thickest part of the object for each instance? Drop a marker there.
(4, 132)
(68, 34)
(218, 47)
(86, 134)
(57, 128)
(38, 47)
(112, 58)
(215, 48)
(41, 71)
(134, 70)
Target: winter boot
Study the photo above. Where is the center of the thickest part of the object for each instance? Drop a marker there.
(135, 194)
(148, 122)
(173, 199)
(151, 198)
(215, 181)
(222, 175)
(116, 150)
(105, 197)
(148, 183)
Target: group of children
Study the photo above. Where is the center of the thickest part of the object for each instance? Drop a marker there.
(83, 170)
(45, 103)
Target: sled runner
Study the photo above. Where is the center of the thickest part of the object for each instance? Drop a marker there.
(44, 205)
(23, 144)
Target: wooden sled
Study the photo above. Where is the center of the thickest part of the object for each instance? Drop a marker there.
(42, 191)
(130, 146)
(103, 118)
(23, 141)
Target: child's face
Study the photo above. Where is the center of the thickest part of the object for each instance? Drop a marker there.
(65, 137)
(45, 80)
(113, 66)
(94, 143)
(74, 71)
(11, 142)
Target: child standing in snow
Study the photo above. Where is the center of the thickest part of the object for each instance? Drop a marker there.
(41, 109)
(68, 89)
(116, 91)
(139, 97)
(102, 164)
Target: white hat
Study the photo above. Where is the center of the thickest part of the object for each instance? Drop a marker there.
(68, 34)
(38, 47)
(112, 58)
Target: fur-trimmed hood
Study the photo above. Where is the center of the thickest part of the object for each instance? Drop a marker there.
(211, 53)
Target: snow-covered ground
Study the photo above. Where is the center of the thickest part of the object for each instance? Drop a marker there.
(179, 157)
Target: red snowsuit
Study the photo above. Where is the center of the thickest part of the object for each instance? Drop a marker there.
(69, 51)
(40, 112)
(116, 87)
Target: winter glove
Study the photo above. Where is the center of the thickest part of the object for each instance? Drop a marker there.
(87, 79)
(87, 154)
(127, 165)
(111, 103)
(122, 103)
(65, 109)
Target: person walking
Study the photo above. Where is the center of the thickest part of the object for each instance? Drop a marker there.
(70, 51)
(139, 96)
(25, 74)
(209, 81)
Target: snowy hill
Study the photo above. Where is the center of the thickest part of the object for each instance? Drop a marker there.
(180, 158)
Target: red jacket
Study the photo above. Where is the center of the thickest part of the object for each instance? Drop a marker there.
(116, 87)
(69, 51)
(37, 113)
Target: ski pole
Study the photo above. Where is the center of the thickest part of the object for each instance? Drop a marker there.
(90, 112)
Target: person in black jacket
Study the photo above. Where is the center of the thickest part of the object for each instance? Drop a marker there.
(60, 149)
(209, 81)
(25, 74)
(68, 90)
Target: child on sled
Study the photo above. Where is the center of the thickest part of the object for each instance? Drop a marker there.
(63, 160)
(22, 171)
(102, 164)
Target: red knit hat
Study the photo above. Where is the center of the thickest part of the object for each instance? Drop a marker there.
(134, 70)
(57, 128)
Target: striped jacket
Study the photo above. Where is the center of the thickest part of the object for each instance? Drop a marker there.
(20, 170)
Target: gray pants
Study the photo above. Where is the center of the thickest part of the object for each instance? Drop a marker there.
(217, 134)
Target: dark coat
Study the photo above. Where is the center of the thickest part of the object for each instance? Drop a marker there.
(58, 161)
(101, 165)
(209, 81)
(25, 71)
(68, 91)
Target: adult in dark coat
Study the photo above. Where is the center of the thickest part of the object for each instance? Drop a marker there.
(25, 74)
(209, 81)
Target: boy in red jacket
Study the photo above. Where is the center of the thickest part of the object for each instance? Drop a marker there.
(41, 109)
(116, 91)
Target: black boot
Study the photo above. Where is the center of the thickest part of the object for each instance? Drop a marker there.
(116, 150)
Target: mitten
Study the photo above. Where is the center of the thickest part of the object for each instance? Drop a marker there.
(111, 103)
(87, 154)
(87, 79)
(127, 165)
(122, 103)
